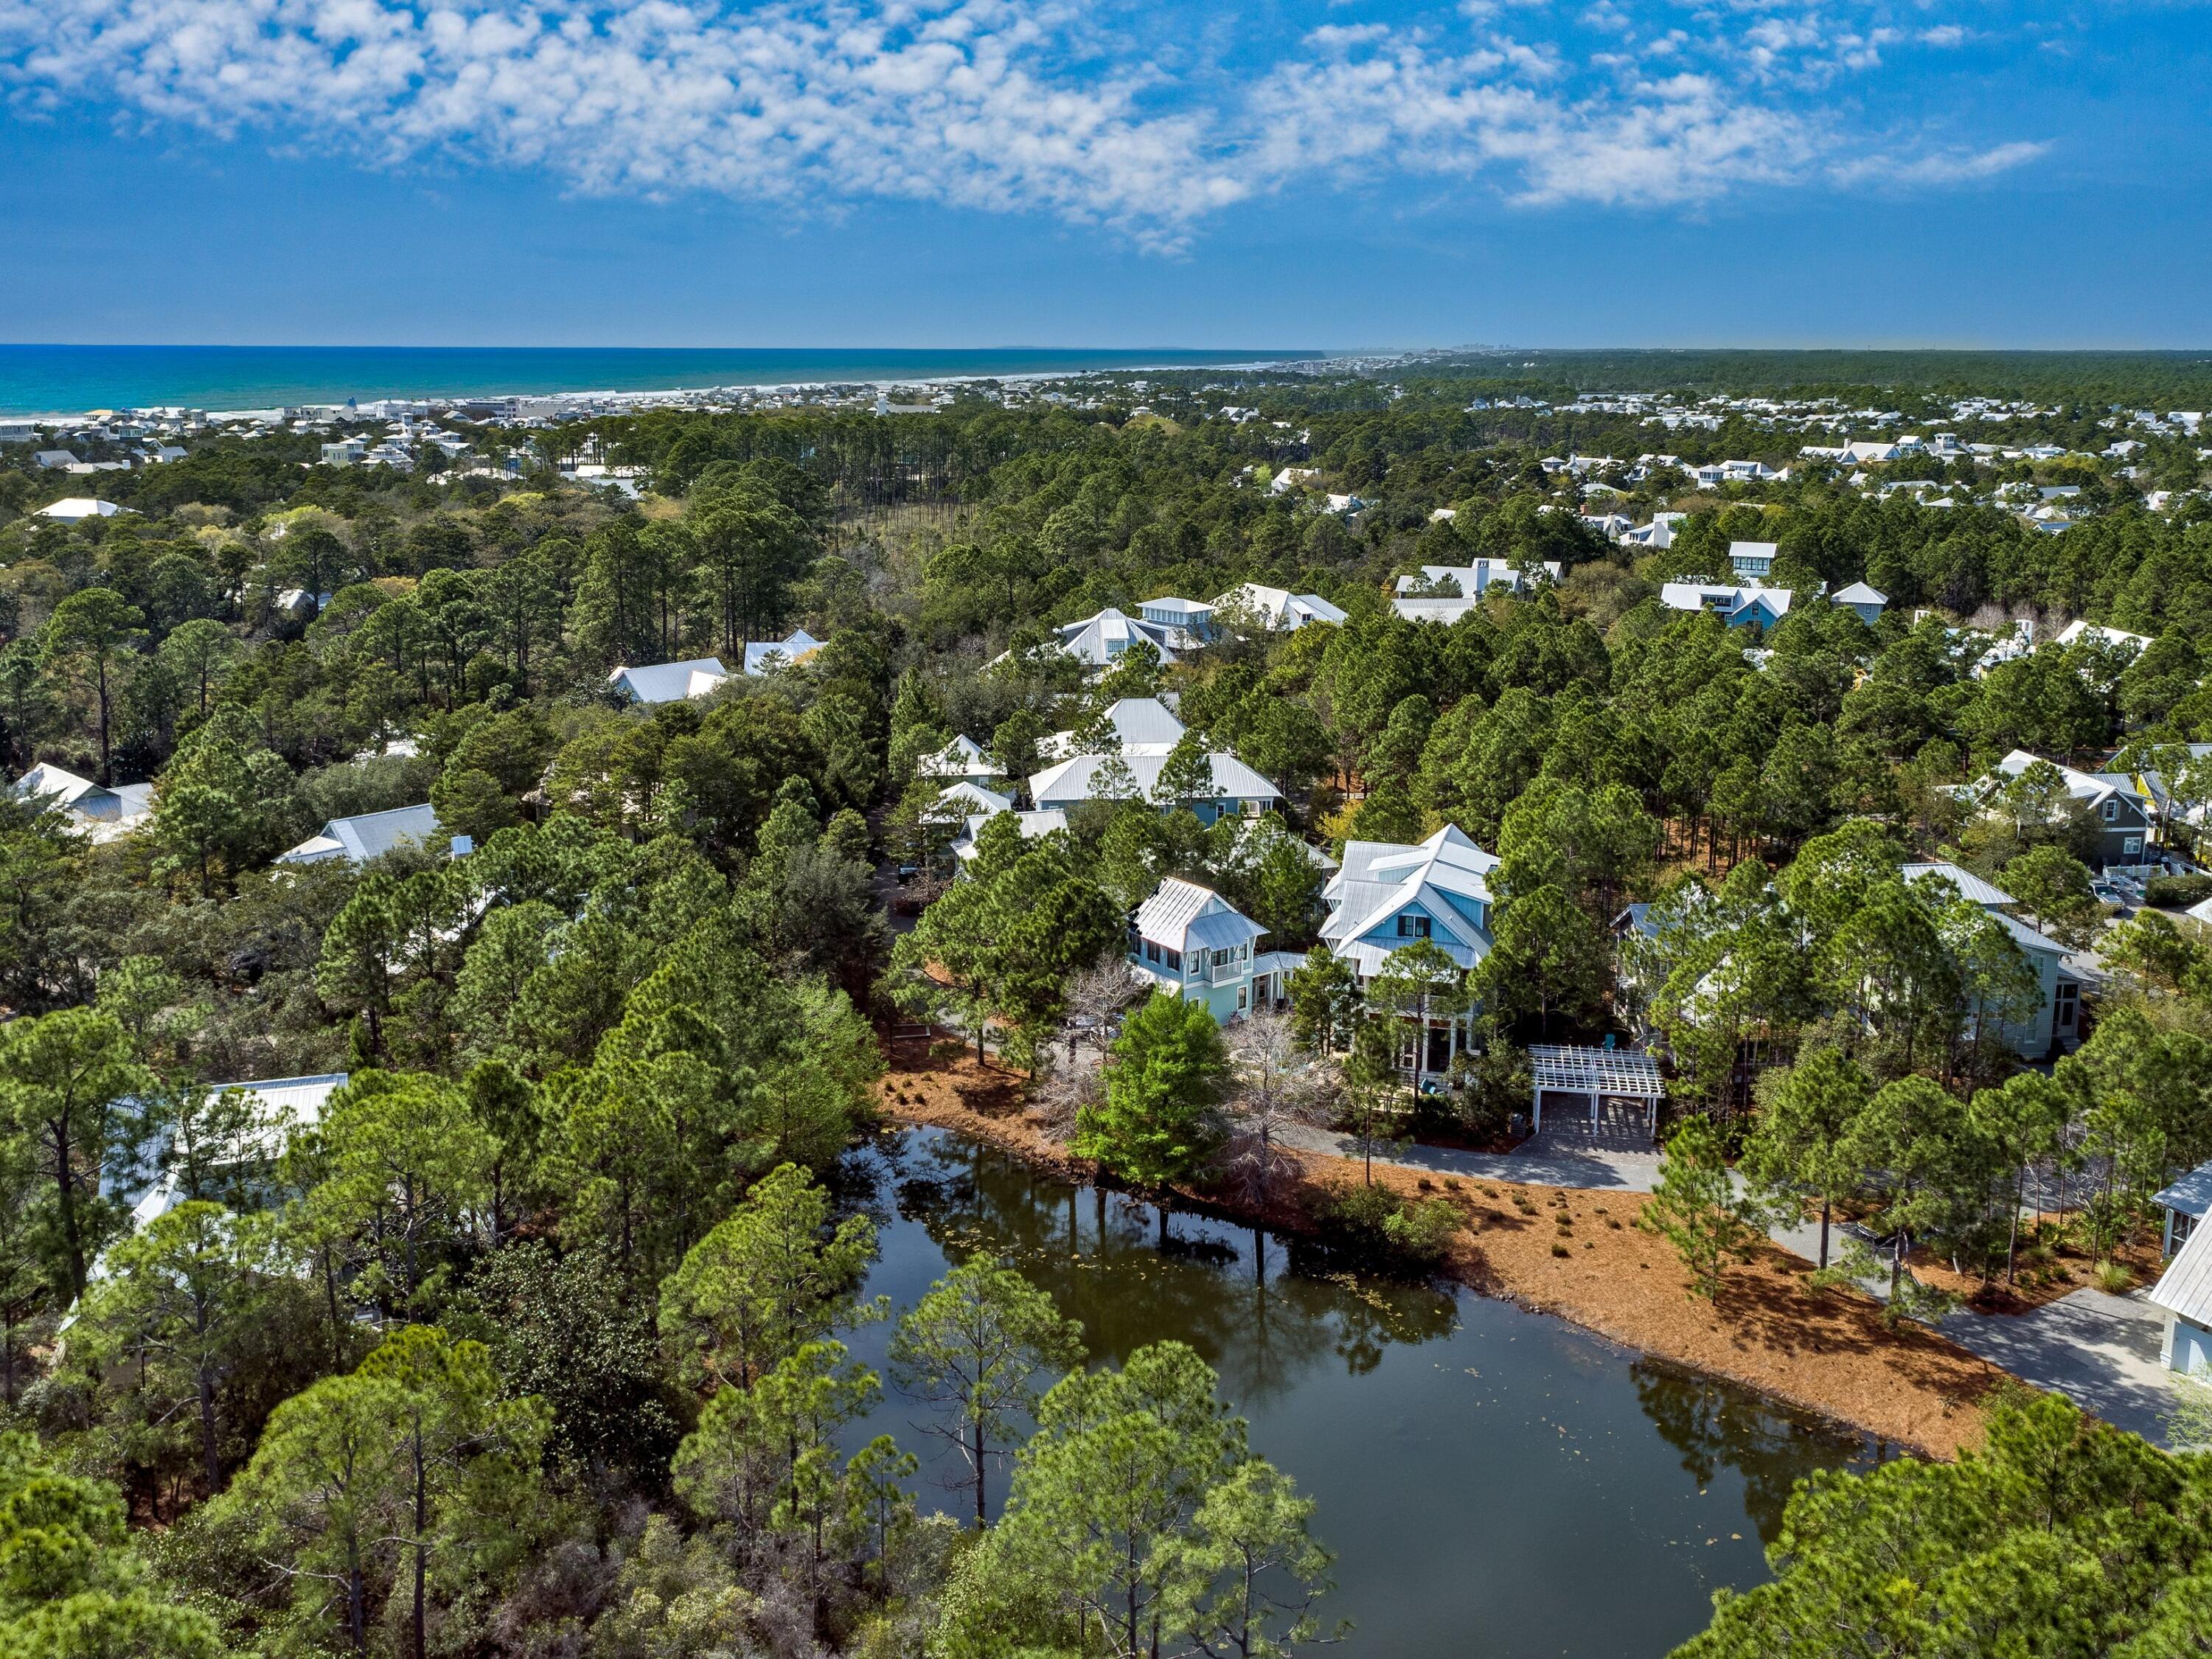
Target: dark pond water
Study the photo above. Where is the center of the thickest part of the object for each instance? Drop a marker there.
(1493, 1482)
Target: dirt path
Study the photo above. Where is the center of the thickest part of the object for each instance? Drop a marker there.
(1829, 1352)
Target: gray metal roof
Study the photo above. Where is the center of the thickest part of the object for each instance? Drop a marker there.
(1185, 917)
(668, 682)
(2191, 1195)
(370, 835)
(2185, 1289)
(1970, 885)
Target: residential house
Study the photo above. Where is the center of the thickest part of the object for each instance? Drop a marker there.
(104, 811)
(697, 676)
(1278, 609)
(370, 835)
(1097, 641)
(1753, 561)
(2122, 816)
(1033, 826)
(1472, 581)
(1191, 942)
(1385, 896)
(967, 800)
(279, 1106)
(2183, 1295)
(2057, 1019)
(1235, 789)
(962, 758)
(2183, 1205)
(57, 459)
(1866, 602)
(2118, 639)
(1737, 607)
(1188, 615)
(75, 509)
(1141, 726)
(668, 682)
(345, 451)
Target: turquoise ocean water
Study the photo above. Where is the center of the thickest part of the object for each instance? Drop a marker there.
(71, 379)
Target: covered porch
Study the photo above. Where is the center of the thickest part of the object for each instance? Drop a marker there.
(1598, 1074)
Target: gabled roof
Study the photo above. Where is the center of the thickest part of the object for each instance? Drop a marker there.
(1143, 721)
(962, 757)
(2088, 787)
(796, 648)
(1753, 551)
(964, 800)
(1280, 607)
(2185, 1289)
(1033, 826)
(1070, 780)
(369, 836)
(1099, 641)
(1861, 593)
(66, 787)
(670, 682)
(1184, 916)
(1970, 885)
(1378, 879)
(282, 1103)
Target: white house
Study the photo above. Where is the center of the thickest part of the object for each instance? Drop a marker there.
(697, 676)
(962, 758)
(2118, 639)
(1278, 609)
(1472, 581)
(1753, 561)
(369, 836)
(1191, 942)
(75, 509)
(1034, 826)
(1384, 895)
(1736, 606)
(1194, 618)
(668, 682)
(279, 1106)
(103, 811)
(967, 800)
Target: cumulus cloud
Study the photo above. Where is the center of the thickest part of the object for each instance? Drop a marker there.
(1000, 104)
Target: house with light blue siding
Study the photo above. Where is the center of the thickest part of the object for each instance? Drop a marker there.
(1191, 942)
(1385, 896)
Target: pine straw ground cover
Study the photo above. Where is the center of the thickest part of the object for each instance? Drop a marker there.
(1828, 1353)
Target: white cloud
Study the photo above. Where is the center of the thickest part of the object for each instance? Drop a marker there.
(814, 105)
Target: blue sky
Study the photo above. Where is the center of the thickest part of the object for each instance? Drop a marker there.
(942, 173)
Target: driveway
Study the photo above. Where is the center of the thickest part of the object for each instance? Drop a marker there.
(2100, 1352)
(1558, 1158)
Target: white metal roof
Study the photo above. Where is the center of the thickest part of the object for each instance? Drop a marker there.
(1862, 594)
(760, 654)
(370, 834)
(1184, 915)
(670, 682)
(1070, 780)
(2185, 1289)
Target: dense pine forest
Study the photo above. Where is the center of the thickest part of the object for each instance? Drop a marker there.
(533, 1341)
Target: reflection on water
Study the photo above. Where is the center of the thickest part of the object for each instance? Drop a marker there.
(1493, 1481)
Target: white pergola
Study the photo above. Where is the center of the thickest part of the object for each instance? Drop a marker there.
(1601, 1073)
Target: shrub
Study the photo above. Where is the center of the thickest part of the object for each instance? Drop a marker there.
(2177, 892)
(1560, 1248)
(1376, 1221)
(2114, 1279)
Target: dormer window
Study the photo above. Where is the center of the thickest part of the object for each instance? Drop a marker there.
(1412, 926)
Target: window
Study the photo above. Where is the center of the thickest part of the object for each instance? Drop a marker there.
(2134, 844)
(1412, 927)
(2064, 1002)
(1151, 950)
(1175, 959)
(2112, 811)
(1243, 999)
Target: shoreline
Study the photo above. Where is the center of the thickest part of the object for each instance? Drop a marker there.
(1827, 1354)
(643, 396)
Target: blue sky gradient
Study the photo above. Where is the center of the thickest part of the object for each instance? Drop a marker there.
(966, 173)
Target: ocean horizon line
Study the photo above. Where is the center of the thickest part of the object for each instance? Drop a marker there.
(48, 379)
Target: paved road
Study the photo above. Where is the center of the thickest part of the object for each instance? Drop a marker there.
(2100, 1352)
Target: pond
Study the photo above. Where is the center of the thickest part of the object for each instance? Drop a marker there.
(1493, 1481)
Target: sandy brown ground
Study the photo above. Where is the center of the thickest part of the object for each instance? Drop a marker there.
(1830, 1353)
